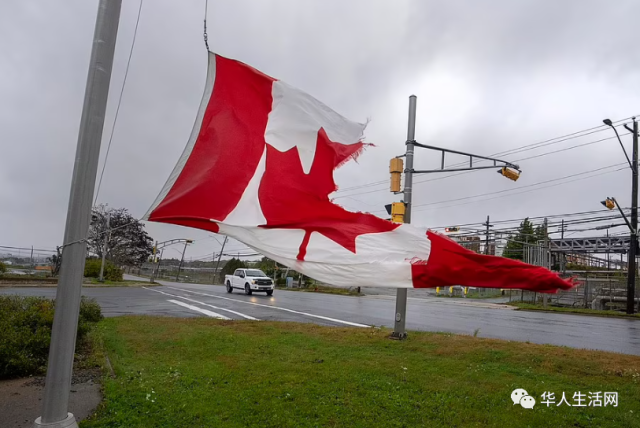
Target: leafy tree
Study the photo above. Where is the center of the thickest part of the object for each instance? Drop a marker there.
(231, 265)
(3, 268)
(111, 271)
(128, 243)
(527, 234)
(267, 266)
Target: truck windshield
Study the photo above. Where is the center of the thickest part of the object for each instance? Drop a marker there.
(255, 272)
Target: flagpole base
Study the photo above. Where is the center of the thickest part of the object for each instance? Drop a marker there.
(68, 422)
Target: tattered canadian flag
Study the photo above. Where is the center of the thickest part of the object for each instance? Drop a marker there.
(258, 167)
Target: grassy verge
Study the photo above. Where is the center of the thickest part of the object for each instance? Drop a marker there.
(124, 283)
(581, 311)
(204, 372)
(324, 289)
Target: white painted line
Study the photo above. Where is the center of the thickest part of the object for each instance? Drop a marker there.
(197, 309)
(355, 324)
(205, 304)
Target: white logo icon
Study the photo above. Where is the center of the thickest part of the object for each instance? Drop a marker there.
(522, 397)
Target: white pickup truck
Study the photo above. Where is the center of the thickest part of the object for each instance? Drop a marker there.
(249, 280)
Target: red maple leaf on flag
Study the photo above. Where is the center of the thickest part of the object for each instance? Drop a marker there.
(291, 199)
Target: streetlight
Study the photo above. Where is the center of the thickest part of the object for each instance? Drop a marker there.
(633, 226)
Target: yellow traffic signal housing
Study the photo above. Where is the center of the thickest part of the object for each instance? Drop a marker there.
(396, 167)
(509, 173)
(452, 229)
(397, 212)
(609, 203)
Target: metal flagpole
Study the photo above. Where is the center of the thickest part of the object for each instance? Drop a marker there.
(55, 401)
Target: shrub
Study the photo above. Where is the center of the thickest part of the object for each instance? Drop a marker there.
(26, 323)
(281, 281)
(111, 271)
(3, 268)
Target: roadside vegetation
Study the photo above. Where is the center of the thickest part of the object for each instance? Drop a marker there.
(205, 372)
(582, 311)
(25, 326)
(123, 283)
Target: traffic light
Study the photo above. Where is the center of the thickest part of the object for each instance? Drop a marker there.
(452, 229)
(609, 203)
(509, 173)
(189, 241)
(396, 167)
(396, 209)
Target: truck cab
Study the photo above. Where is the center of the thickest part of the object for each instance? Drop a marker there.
(249, 280)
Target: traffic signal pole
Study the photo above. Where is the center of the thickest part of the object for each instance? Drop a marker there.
(399, 330)
(55, 401)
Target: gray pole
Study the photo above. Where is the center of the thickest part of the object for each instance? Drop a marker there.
(486, 238)
(33, 268)
(548, 251)
(399, 330)
(181, 260)
(631, 273)
(219, 257)
(105, 247)
(55, 402)
(155, 262)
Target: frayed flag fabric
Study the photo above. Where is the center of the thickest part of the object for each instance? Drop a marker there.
(258, 167)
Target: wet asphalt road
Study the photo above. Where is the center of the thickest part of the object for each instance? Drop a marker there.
(424, 314)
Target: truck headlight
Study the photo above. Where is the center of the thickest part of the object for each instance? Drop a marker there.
(253, 281)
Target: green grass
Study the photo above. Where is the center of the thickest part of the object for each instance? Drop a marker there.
(208, 373)
(323, 289)
(124, 283)
(582, 311)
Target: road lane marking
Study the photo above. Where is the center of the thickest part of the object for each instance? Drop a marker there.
(205, 304)
(354, 324)
(197, 309)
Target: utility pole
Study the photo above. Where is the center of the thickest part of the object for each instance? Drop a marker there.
(219, 257)
(33, 268)
(631, 275)
(55, 402)
(548, 254)
(486, 238)
(105, 247)
(155, 261)
(181, 260)
(563, 260)
(399, 330)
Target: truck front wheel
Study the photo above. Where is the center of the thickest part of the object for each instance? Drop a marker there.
(247, 290)
(229, 287)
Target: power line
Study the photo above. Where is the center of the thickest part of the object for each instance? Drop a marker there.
(115, 118)
(549, 216)
(527, 147)
(526, 191)
(523, 187)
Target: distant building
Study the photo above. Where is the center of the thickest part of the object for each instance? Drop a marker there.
(469, 242)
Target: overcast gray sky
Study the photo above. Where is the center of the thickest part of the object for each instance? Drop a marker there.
(490, 76)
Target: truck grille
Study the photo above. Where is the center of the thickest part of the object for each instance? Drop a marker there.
(263, 282)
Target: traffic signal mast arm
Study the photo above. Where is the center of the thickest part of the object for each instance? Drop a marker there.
(513, 175)
(160, 245)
